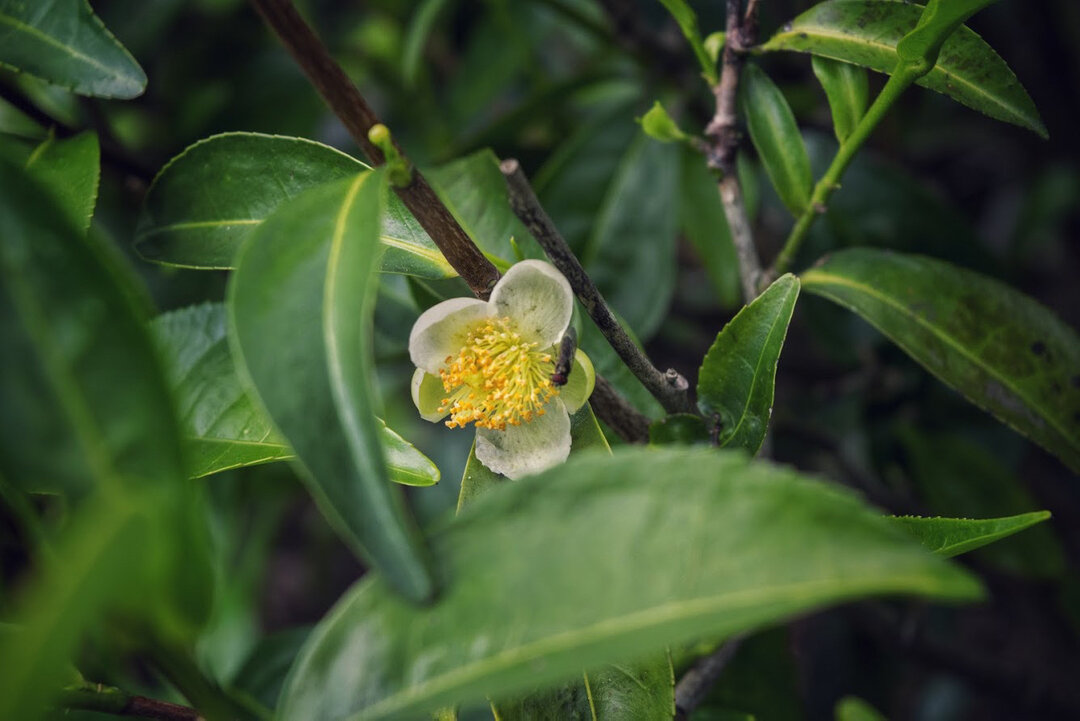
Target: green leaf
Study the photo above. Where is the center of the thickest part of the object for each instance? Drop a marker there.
(687, 19)
(684, 517)
(776, 138)
(938, 21)
(851, 708)
(702, 220)
(658, 125)
(209, 198)
(474, 190)
(678, 428)
(735, 383)
(950, 537)
(866, 32)
(420, 25)
(301, 302)
(222, 427)
(64, 43)
(956, 477)
(70, 169)
(87, 415)
(631, 251)
(847, 90)
(1003, 351)
(102, 553)
(78, 375)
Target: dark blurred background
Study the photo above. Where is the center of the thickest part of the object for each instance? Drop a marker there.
(557, 84)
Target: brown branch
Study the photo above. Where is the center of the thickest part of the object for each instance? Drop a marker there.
(723, 132)
(696, 683)
(110, 700)
(631, 425)
(349, 106)
(670, 388)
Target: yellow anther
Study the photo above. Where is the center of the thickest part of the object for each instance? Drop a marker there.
(497, 379)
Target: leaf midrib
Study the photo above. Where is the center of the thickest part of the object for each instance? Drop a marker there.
(941, 335)
(50, 40)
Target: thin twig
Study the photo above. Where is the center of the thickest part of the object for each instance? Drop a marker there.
(696, 683)
(631, 425)
(349, 105)
(722, 130)
(670, 388)
(110, 700)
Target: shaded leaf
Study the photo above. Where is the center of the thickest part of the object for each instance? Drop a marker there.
(64, 43)
(776, 138)
(702, 220)
(938, 21)
(866, 32)
(300, 305)
(222, 427)
(679, 428)
(688, 23)
(209, 198)
(950, 537)
(1002, 350)
(735, 383)
(70, 169)
(847, 90)
(683, 516)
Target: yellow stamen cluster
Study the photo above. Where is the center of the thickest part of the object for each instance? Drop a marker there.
(497, 379)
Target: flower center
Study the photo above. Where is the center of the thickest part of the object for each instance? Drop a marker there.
(497, 379)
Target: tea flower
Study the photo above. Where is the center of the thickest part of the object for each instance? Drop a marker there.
(490, 363)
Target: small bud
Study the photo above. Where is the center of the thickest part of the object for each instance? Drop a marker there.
(658, 125)
(398, 168)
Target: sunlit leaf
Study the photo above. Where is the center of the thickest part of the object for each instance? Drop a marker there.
(776, 138)
(528, 606)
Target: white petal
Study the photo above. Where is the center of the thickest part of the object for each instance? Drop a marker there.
(538, 298)
(427, 395)
(440, 331)
(579, 384)
(529, 448)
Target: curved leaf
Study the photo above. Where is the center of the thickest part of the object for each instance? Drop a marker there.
(222, 427)
(776, 138)
(703, 222)
(529, 606)
(847, 90)
(866, 32)
(735, 383)
(1006, 353)
(301, 302)
(64, 43)
(950, 537)
(210, 197)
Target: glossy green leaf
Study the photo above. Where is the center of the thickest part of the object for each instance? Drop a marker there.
(950, 537)
(866, 32)
(851, 708)
(847, 90)
(1005, 352)
(683, 516)
(209, 198)
(300, 304)
(474, 190)
(776, 138)
(938, 21)
(735, 383)
(702, 220)
(955, 477)
(70, 169)
(687, 20)
(222, 427)
(64, 43)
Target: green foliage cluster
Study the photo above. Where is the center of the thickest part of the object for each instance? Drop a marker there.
(158, 470)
